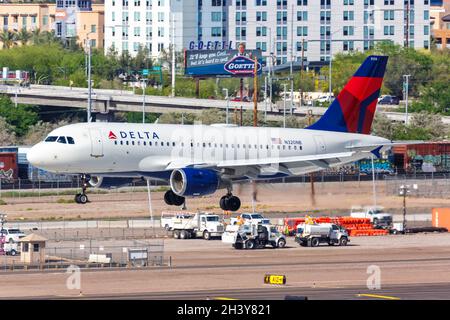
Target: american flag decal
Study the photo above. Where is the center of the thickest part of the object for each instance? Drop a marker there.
(276, 141)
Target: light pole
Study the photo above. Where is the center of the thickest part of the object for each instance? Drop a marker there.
(89, 106)
(228, 103)
(173, 55)
(405, 91)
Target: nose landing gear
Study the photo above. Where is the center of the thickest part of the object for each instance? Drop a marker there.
(82, 198)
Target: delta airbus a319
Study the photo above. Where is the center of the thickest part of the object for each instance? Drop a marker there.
(198, 160)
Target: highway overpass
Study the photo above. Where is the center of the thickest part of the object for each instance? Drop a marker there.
(109, 101)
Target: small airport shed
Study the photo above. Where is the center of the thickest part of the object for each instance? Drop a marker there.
(33, 249)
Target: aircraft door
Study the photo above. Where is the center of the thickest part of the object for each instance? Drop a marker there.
(96, 143)
(320, 144)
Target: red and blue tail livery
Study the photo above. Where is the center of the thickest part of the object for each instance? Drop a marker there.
(354, 108)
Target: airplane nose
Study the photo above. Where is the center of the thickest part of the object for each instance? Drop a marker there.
(34, 157)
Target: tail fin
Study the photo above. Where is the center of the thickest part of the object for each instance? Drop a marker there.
(354, 108)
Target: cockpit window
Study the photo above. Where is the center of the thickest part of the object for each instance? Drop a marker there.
(61, 140)
(51, 139)
(70, 140)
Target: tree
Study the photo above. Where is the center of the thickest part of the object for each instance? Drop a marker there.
(40, 130)
(23, 36)
(432, 123)
(7, 134)
(382, 126)
(433, 98)
(19, 118)
(212, 115)
(8, 39)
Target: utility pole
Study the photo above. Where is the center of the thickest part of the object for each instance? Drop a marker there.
(284, 108)
(291, 75)
(405, 92)
(329, 72)
(255, 93)
(407, 25)
(311, 175)
(173, 55)
(301, 72)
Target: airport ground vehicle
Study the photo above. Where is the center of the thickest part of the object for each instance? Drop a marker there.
(253, 218)
(311, 235)
(199, 225)
(252, 236)
(12, 235)
(376, 215)
(167, 218)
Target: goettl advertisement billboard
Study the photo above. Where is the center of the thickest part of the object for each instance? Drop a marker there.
(222, 63)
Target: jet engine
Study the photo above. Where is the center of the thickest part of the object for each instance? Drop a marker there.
(194, 182)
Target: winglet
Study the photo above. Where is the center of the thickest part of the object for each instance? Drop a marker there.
(376, 152)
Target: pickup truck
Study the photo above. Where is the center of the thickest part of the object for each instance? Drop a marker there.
(12, 235)
(377, 216)
(252, 218)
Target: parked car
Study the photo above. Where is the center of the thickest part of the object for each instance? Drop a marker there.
(12, 235)
(388, 100)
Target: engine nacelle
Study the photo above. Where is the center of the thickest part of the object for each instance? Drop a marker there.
(109, 182)
(194, 182)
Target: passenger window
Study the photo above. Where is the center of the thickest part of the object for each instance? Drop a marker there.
(61, 140)
(173, 144)
(150, 143)
(145, 143)
(51, 139)
(121, 142)
(132, 142)
(115, 142)
(70, 140)
(127, 143)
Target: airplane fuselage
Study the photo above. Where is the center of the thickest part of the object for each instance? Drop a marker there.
(134, 150)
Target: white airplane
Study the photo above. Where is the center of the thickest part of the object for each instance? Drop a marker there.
(197, 160)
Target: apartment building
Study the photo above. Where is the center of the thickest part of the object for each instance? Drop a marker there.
(69, 19)
(283, 29)
(155, 24)
(440, 24)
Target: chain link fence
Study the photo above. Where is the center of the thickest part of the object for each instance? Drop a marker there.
(432, 185)
(95, 254)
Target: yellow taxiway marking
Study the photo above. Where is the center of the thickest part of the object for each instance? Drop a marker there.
(377, 296)
(223, 298)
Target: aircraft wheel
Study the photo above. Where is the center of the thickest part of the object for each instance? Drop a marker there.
(233, 203)
(83, 199)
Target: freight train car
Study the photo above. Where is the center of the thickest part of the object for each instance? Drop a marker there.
(424, 157)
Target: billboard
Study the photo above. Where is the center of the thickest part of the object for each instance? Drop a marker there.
(222, 63)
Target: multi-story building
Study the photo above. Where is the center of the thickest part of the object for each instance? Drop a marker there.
(69, 19)
(130, 24)
(440, 24)
(325, 27)
(287, 29)
(29, 16)
(80, 20)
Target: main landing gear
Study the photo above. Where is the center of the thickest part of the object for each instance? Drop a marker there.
(230, 202)
(173, 199)
(82, 198)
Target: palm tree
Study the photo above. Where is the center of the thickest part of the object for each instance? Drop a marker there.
(8, 39)
(24, 36)
(36, 36)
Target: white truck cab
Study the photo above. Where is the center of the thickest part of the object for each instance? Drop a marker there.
(204, 225)
(12, 235)
(377, 216)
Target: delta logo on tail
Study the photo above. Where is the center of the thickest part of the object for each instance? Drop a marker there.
(112, 136)
(354, 108)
